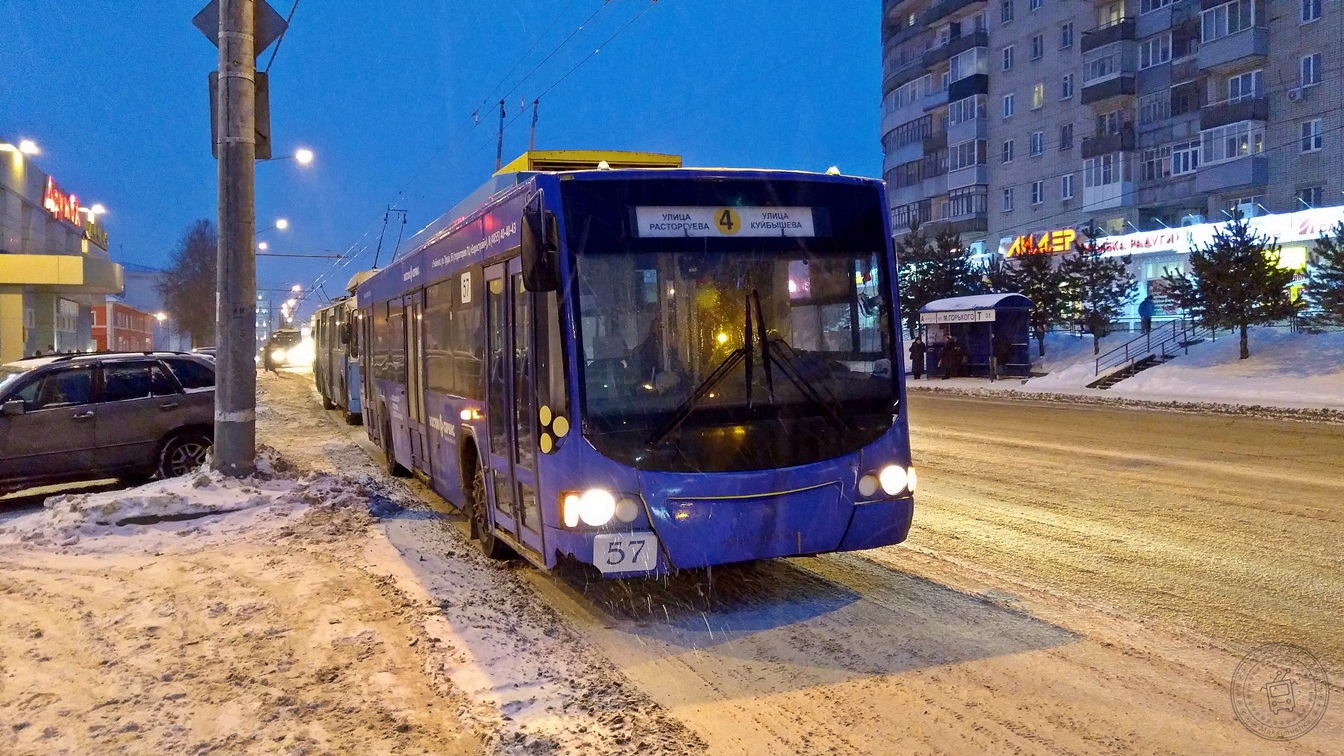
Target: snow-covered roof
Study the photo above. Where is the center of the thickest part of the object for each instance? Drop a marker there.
(977, 302)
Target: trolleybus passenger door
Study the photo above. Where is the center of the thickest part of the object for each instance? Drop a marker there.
(511, 407)
(415, 371)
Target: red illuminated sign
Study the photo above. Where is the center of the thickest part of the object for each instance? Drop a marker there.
(62, 206)
(1050, 241)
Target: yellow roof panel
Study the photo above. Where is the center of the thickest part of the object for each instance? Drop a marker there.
(581, 160)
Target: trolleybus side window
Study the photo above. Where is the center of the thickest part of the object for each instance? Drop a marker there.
(439, 327)
(467, 339)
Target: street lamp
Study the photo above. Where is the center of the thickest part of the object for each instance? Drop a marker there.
(296, 288)
(280, 224)
(263, 246)
(28, 147)
(160, 316)
(304, 156)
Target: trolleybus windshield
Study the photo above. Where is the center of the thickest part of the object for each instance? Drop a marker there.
(729, 324)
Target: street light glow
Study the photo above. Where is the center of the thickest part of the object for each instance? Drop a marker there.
(28, 147)
(291, 303)
(304, 156)
(97, 208)
(296, 288)
(282, 224)
(263, 246)
(160, 316)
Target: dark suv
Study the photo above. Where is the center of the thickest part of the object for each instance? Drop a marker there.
(114, 415)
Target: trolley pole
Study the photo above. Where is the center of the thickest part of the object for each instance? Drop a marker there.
(236, 287)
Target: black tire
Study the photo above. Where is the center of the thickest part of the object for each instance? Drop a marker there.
(182, 453)
(480, 519)
(327, 404)
(393, 468)
(352, 418)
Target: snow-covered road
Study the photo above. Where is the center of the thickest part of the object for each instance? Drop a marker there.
(1078, 580)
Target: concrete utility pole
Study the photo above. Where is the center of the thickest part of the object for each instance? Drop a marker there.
(236, 307)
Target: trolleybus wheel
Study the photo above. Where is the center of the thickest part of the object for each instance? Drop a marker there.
(393, 467)
(480, 519)
(327, 404)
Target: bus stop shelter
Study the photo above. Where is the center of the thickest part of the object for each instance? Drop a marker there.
(980, 323)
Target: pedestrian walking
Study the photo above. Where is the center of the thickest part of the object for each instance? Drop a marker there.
(917, 350)
(1146, 310)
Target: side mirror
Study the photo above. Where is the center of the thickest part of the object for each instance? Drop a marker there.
(345, 333)
(15, 407)
(540, 242)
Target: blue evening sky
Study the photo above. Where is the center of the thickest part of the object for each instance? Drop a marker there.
(115, 95)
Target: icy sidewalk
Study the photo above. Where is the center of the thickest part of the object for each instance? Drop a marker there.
(1286, 371)
(317, 606)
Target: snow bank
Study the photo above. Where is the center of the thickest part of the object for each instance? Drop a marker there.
(1285, 370)
(185, 511)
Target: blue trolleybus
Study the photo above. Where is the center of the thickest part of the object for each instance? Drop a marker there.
(336, 354)
(648, 368)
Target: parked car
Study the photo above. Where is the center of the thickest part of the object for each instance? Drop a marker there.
(128, 415)
(204, 352)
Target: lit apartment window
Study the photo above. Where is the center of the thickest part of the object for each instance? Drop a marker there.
(1231, 142)
(1155, 51)
(1008, 105)
(1006, 11)
(1311, 196)
(1066, 186)
(1311, 70)
(1037, 46)
(1066, 87)
(1037, 142)
(1245, 86)
(1008, 58)
(1038, 95)
(1066, 35)
(1312, 137)
(1066, 136)
(1225, 19)
(1311, 10)
(1008, 200)
(1037, 192)
(1008, 150)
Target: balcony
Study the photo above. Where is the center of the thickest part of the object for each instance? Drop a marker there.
(975, 223)
(1234, 48)
(955, 47)
(935, 99)
(935, 142)
(971, 85)
(1101, 144)
(976, 128)
(945, 9)
(1101, 36)
(1222, 113)
(1152, 22)
(1121, 85)
(1252, 170)
(969, 176)
(1111, 195)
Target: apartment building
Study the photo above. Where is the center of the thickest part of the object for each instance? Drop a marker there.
(1012, 119)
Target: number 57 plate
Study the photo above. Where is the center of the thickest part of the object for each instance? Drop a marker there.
(625, 552)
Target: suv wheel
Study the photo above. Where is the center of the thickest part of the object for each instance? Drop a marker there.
(183, 453)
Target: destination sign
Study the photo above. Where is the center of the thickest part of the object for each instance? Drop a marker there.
(662, 222)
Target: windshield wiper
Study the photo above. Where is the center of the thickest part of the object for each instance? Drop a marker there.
(745, 352)
(777, 352)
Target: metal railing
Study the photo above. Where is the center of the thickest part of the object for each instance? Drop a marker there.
(1163, 340)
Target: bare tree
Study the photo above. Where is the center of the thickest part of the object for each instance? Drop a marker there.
(188, 288)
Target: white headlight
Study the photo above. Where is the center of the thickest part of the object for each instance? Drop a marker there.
(867, 485)
(910, 484)
(278, 355)
(596, 507)
(893, 479)
(627, 509)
